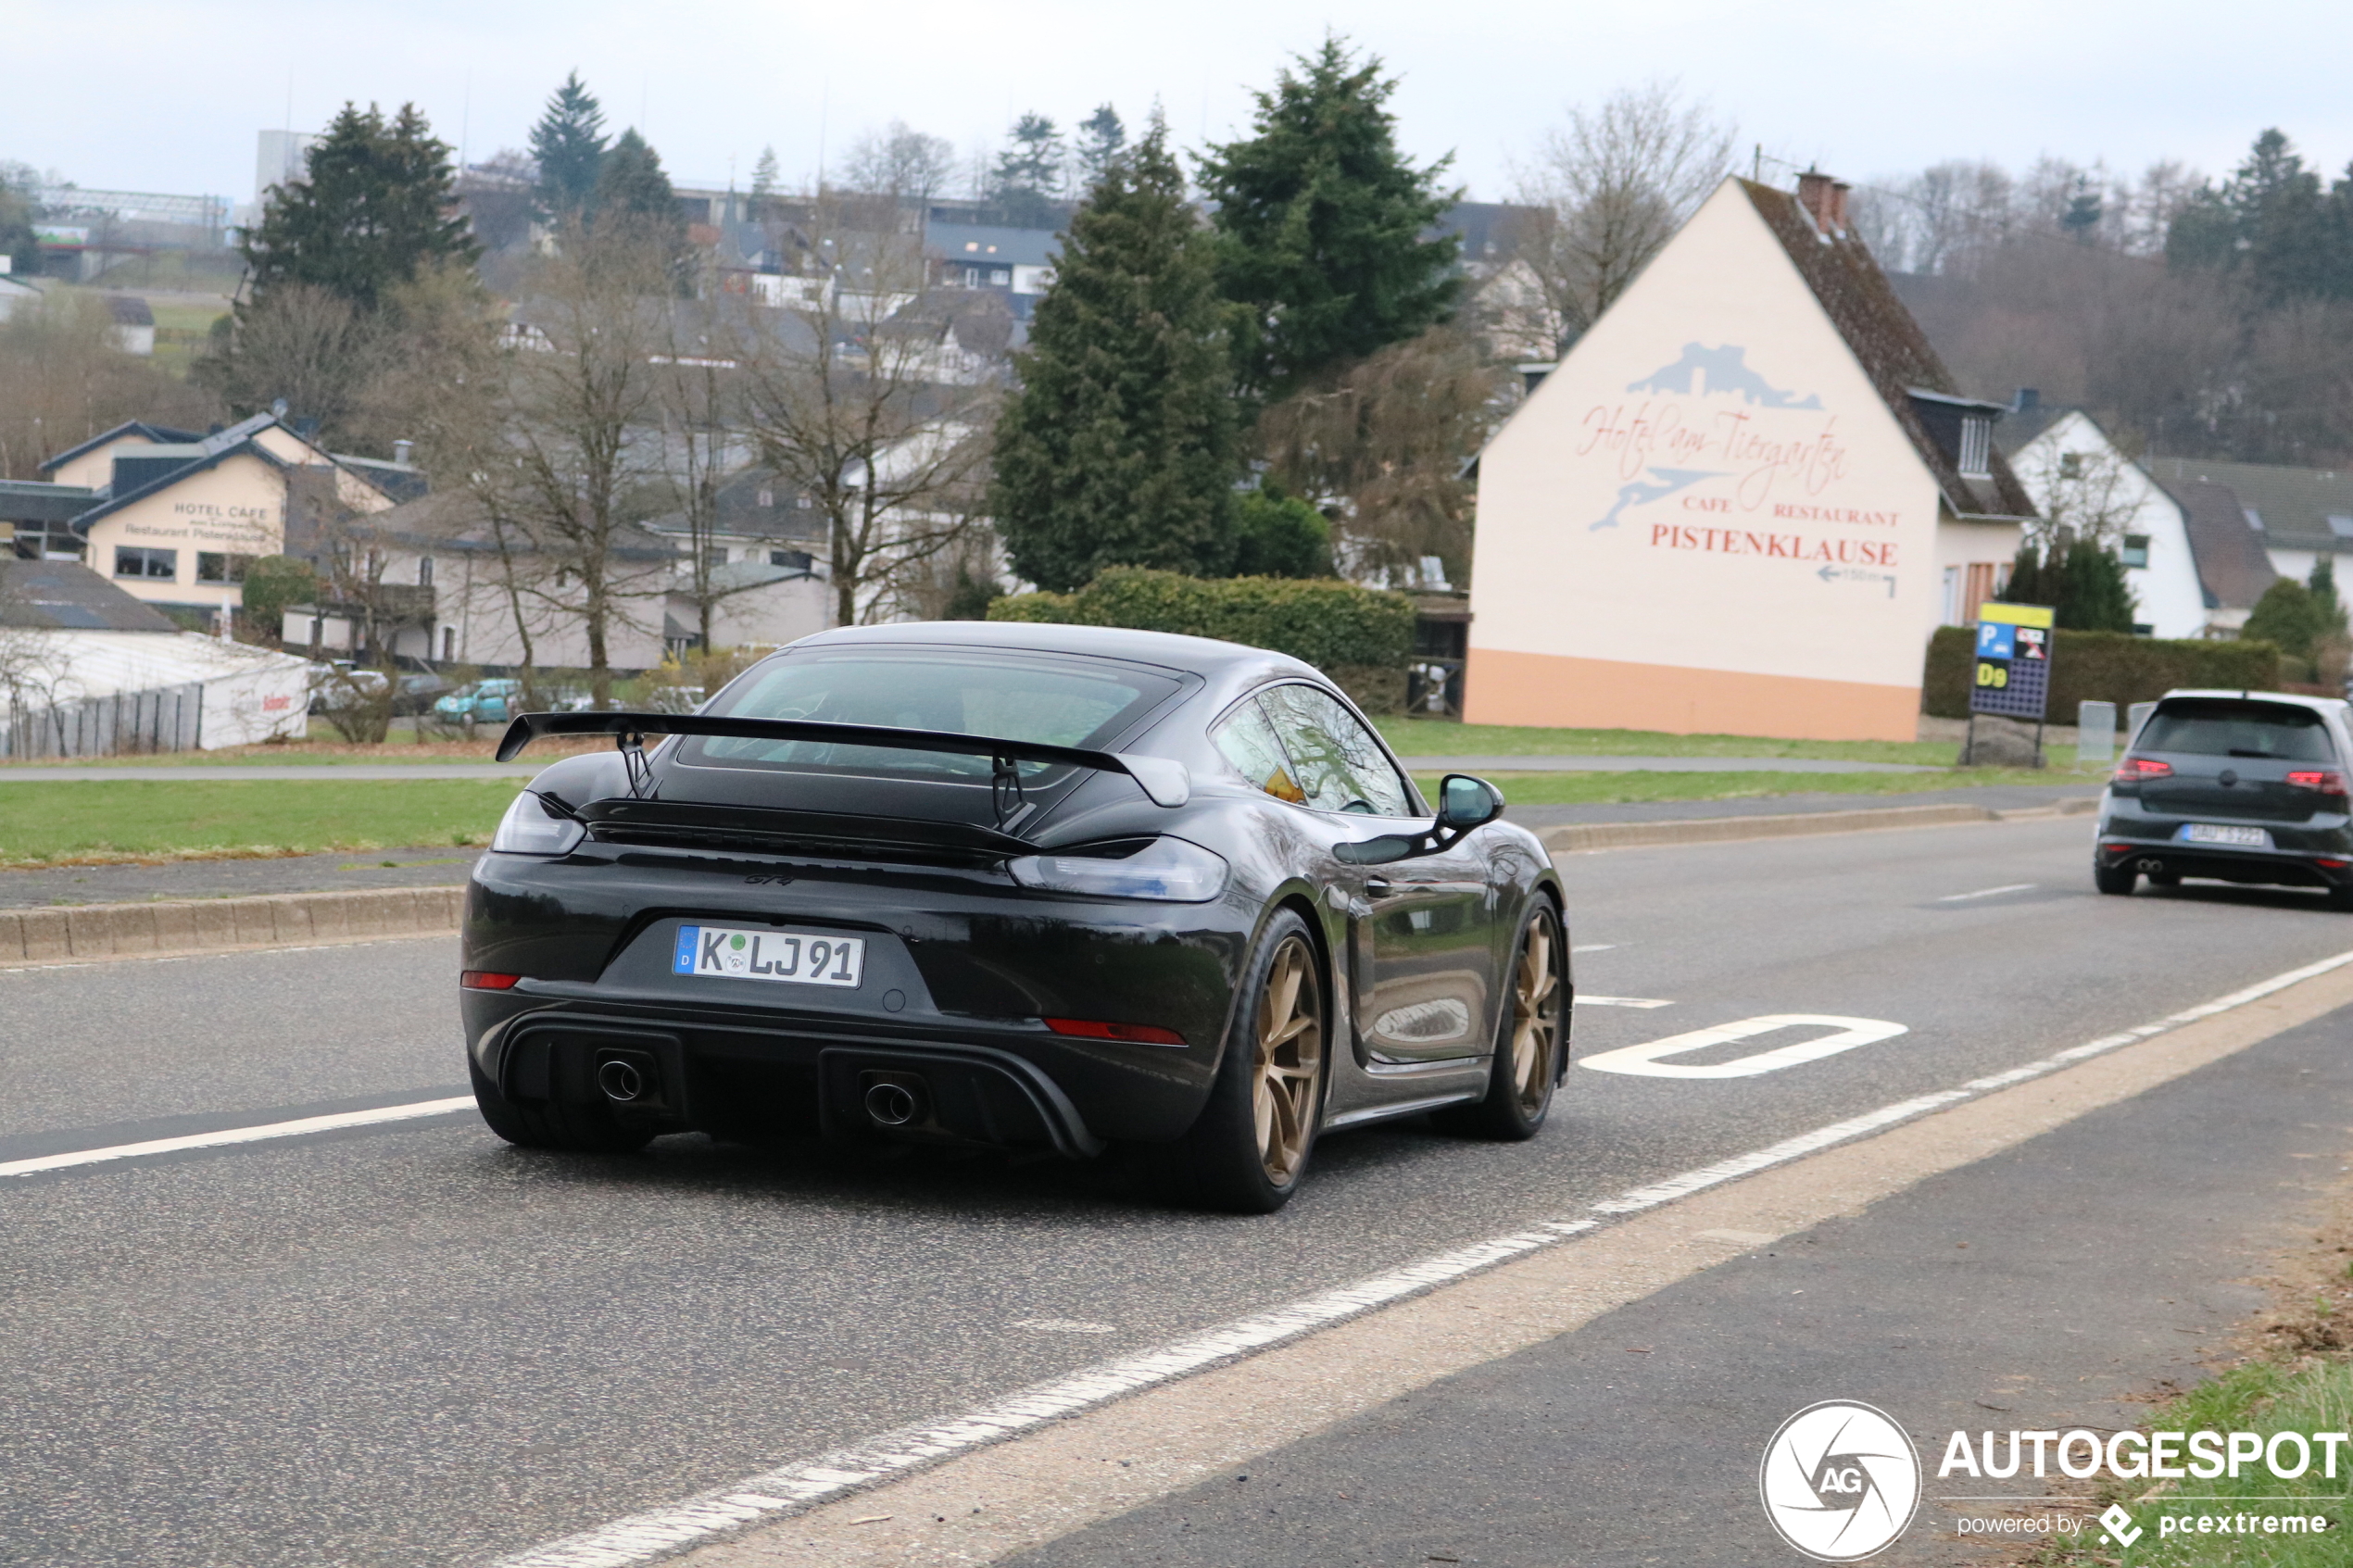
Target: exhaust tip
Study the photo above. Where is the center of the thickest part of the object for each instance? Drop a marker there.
(2150, 866)
(621, 1081)
(891, 1105)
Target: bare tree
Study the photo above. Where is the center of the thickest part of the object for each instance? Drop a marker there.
(899, 161)
(1608, 189)
(1379, 446)
(301, 343)
(31, 668)
(871, 392)
(64, 379)
(700, 447)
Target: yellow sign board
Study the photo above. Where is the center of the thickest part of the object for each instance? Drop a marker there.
(2017, 615)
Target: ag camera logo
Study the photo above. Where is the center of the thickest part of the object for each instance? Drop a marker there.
(1840, 1481)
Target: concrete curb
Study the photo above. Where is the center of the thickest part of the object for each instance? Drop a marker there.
(80, 933)
(1574, 837)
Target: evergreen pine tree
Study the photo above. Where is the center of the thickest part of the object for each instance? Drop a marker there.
(2286, 616)
(2094, 594)
(1117, 447)
(1029, 173)
(1321, 220)
(632, 183)
(765, 177)
(1100, 138)
(374, 209)
(569, 142)
(2323, 583)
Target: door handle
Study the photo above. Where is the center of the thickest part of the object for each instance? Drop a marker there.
(1378, 888)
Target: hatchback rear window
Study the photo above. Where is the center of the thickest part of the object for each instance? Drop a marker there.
(1057, 702)
(2222, 728)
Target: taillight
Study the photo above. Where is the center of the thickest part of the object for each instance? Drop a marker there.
(2132, 770)
(1135, 1034)
(484, 979)
(2326, 781)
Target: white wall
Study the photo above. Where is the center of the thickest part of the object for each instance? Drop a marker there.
(2166, 591)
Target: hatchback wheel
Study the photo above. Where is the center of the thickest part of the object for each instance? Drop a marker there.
(1250, 1147)
(1530, 1041)
(2118, 880)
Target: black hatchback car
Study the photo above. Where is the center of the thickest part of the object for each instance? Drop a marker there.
(1035, 887)
(2240, 786)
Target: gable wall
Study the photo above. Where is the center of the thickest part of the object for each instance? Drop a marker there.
(1706, 519)
(237, 506)
(95, 467)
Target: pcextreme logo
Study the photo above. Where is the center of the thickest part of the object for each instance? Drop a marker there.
(1840, 1481)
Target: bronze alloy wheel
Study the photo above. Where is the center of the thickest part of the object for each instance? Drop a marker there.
(1288, 1068)
(1536, 1016)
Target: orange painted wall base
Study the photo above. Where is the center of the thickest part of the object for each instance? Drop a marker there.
(1602, 694)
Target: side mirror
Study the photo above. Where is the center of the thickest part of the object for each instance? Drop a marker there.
(1464, 802)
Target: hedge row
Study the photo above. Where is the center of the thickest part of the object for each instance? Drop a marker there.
(2102, 667)
(1331, 625)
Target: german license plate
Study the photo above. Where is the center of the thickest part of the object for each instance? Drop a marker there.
(2214, 833)
(800, 958)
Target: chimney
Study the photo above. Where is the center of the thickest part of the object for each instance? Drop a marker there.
(401, 451)
(1824, 200)
(2028, 400)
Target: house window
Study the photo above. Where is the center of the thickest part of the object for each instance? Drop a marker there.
(803, 502)
(2341, 526)
(2071, 465)
(2136, 549)
(425, 571)
(2254, 520)
(767, 498)
(1953, 596)
(1977, 445)
(133, 560)
(448, 645)
(212, 567)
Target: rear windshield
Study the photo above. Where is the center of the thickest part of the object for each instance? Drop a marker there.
(1056, 702)
(2221, 728)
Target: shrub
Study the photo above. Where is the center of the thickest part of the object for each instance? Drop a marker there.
(1331, 625)
(1280, 536)
(273, 585)
(2102, 667)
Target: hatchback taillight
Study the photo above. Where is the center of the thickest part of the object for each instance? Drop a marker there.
(2132, 770)
(2327, 780)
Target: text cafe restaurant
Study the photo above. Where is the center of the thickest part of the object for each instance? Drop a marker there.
(1742, 500)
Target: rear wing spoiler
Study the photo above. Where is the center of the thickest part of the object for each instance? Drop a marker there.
(1165, 780)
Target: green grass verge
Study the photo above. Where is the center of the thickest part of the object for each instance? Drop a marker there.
(1609, 789)
(1434, 737)
(2262, 1397)
(99, 821)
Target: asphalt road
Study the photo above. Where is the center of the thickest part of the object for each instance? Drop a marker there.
(414, 1344)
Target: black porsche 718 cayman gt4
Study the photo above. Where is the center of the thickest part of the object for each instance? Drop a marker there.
(1036, 887)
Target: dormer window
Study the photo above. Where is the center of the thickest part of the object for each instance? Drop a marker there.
(1977, 447)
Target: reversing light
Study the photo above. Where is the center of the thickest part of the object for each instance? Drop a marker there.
(2325, 780)
(484, 980)
(2132, 770)
(1134, 1034)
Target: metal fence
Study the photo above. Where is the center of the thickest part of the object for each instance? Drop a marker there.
(127, 723)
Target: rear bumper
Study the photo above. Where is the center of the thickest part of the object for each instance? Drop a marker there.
(2288, 868)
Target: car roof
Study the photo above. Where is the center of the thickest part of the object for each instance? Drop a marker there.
(2330, 705)
(1206, 657)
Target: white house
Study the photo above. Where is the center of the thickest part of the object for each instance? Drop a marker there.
(2297, 515)
(1742, 500)
(2080, 478)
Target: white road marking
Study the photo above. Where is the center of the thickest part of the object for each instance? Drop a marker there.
(300, 1127)
(1988, 892)
(1585, 1002)
(1645, 1060)
(798, 1487)
(1592, 947)
(1067, 1325)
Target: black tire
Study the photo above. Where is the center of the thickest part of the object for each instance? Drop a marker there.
(2116, 881)
(1247, 1151)
(2340, 896)
(577, 1129)
(1531, 1037)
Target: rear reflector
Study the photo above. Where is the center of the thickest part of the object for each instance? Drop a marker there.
(2333, 865)
(1135, 1034)
(482, 979)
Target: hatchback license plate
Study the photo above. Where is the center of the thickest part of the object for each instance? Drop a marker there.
(800, 958)
(2214, 833)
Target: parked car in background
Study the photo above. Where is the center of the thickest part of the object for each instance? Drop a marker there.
(417, 692)
(341, 683)
(481, 702)
(2236, 786)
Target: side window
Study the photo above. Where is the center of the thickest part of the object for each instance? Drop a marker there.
(1339, 763)
(1248, 742)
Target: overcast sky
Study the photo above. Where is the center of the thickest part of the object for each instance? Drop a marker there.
(167, 94)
